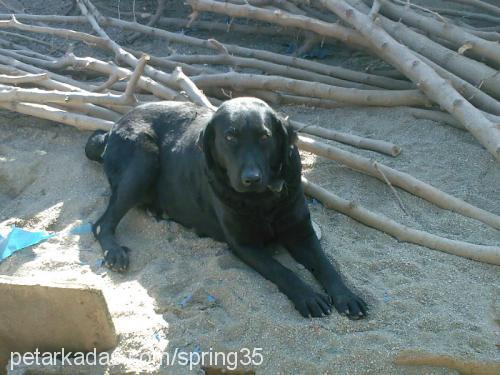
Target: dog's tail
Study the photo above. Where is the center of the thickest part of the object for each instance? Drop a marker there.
(96, 145)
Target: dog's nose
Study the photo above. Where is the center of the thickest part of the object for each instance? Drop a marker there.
(250, 176)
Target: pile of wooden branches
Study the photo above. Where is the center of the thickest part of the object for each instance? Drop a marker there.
(441, 63)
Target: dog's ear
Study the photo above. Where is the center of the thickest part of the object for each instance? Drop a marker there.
(206, 142)
(287, 137)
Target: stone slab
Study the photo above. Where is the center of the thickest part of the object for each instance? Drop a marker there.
(52, 316)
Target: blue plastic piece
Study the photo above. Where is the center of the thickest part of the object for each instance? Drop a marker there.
(82, 229)
(19, 239)
(387, 297)
(185, 300)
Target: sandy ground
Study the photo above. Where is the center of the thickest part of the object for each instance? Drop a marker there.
(193, 294)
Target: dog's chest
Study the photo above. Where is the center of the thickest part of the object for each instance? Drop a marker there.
(253, 227)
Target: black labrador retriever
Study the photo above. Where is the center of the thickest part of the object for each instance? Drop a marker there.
(233, 175)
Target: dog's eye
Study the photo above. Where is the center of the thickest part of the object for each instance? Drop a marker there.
(230, 138)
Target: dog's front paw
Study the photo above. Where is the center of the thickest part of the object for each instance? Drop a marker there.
(311, 304)
(117, 259)
(349, 304)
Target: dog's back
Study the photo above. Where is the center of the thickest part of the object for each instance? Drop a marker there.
(162, 138)
(165, 123)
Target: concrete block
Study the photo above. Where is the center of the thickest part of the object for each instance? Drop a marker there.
(52, 316)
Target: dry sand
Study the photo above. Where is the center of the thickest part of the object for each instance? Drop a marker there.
(419, 298)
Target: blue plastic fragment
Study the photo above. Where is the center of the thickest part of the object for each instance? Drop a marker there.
(19, 239)
(335, 351)
(82, 229)
(387, 297)
(211, 299)
(185, 300)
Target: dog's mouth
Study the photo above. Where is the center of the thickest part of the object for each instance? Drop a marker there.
(258, 188)
(276, 186)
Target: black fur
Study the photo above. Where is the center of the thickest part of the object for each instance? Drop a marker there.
(233, 175)
(94, 149)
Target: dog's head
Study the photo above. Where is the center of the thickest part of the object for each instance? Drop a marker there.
(248, 144)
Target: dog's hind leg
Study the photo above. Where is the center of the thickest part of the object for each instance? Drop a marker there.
(128, 189)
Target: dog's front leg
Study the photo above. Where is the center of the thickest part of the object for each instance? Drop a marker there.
(306, 300)
(241, 234)
(305, 248)
(127, 190)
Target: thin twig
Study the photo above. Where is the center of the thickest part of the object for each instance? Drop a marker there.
(424, 9)
(134, 79)
(394, 191)
(159, 11)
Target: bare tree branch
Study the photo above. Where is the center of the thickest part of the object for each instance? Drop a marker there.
(400, 179)
(26, 78)
(422, 75)
(481, 253)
